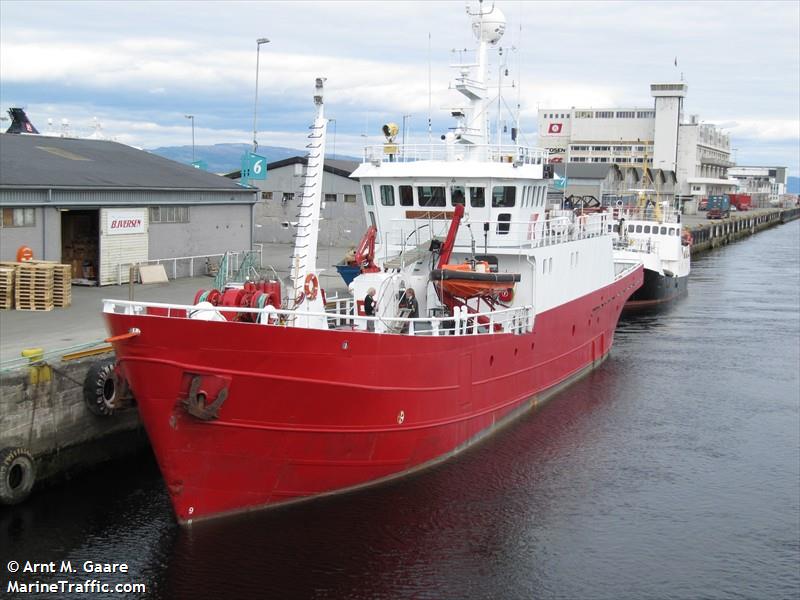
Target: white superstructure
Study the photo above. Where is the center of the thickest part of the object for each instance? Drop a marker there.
(410, 193)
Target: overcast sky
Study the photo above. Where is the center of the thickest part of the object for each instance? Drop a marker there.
(139, 67)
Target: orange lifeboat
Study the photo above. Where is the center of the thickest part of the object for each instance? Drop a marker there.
(473, 280)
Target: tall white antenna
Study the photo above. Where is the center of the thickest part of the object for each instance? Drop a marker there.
(430, 131)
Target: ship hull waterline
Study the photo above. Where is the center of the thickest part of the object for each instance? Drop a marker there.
(657, 289)
(312, 412)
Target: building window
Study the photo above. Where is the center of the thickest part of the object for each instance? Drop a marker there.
(503, 196)
(266, 195)
(477, 198)
(350, 198)
(368, 195)
(330, 197)
(169, 214)
(584, 114)
(646, 114)
(626, 114)
(406, 195)
(387, 195)
(431, 195)
(604, 114)
(287, 197)
(19, 217)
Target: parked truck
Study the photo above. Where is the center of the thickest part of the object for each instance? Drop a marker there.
(719, 207)
(741, 201)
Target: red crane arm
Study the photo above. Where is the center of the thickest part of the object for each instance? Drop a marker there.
(450, 241)
(365, 254)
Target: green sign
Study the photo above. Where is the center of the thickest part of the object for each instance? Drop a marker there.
(253, 166)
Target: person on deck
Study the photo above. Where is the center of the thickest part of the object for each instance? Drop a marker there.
(409, 301)
(369, 308)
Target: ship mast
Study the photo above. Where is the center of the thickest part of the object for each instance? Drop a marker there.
(472, 127)
(304, 257)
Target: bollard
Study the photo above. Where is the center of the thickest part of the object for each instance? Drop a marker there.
(37, 373)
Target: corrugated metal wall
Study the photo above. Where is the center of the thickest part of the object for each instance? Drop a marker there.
(98, 198)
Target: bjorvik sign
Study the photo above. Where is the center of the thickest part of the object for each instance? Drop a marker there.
(124, 221)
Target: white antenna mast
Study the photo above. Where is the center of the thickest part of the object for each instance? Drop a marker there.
(430, 132)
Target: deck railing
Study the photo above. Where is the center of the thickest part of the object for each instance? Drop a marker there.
(411, 233)
(516, 320)
(401, 153)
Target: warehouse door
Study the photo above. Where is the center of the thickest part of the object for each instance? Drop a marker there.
(80, 244)
(123, 242)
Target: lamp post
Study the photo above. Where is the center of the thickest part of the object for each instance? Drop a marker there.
(191, 118)
(259, 41)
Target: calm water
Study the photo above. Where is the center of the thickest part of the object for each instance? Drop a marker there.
(671, 472)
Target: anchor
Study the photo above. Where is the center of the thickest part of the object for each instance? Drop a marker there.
(195, 403)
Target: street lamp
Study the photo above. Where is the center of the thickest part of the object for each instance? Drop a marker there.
(191, 117)
(259, 41)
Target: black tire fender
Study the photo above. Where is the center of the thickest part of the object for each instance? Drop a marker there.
(17, 475)
(100, 388)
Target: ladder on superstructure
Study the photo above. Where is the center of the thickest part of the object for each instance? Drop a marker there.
(306, 234)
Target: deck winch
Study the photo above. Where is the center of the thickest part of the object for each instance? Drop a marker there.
(250, 295)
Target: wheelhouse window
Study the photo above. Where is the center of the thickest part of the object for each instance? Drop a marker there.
(406, 195)
(638, 229)
(647, 228)
(431, 195)
(387, 195)
(477, 197)
(330, 197)
(457, 195)
(372, 219)
(503, 196)
(368, 195)
(663, 231)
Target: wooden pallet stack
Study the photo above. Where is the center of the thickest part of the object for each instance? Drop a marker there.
(62, 285)
(33, 288)
(7, 277)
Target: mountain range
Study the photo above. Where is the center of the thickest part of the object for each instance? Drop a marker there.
(225, 158)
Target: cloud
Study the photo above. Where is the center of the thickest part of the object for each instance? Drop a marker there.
(126, 64)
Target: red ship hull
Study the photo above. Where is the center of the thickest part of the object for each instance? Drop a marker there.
(311, 412)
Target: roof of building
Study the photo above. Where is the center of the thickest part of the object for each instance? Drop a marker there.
(600, 171)
(340, 167)
(37, 161)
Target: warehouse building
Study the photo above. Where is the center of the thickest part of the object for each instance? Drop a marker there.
(698, 153)
(102, 205)
(767, 185)
(611, 183)
(343, 222)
